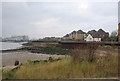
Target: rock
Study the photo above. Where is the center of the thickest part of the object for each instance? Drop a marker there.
(16, 62)
(9, 68)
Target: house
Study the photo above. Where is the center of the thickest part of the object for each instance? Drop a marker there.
(80, 35)
(92, 32)
(66, 37)
(100, 33)
(91, 38)
(73, 35)
(103, 34)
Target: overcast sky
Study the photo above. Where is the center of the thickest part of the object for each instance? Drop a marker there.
(43, 19)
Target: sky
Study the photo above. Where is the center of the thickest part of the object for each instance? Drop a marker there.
(49, 19)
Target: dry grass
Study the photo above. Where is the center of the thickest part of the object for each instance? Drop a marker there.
(79, 65)
(0, 75)
(84, 53)
(65, 69)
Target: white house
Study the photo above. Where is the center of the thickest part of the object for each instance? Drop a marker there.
(91, 38)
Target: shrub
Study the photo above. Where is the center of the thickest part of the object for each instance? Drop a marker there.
(88, 53)
(49, 50)
(50, 59)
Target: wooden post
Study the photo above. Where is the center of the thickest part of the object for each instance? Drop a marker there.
(119, 32)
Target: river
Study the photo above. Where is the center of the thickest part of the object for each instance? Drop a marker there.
(9, 58)
(10, 45)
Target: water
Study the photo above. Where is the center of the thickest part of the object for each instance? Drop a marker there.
(9, 45)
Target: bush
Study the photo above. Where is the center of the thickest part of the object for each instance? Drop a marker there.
(51, 59)
(88, 53)
(49, 50)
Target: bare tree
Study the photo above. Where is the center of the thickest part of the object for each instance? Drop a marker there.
(114, 33)
(114, 36)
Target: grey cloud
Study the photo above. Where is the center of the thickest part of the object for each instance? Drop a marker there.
(119, 11)
(17, 18)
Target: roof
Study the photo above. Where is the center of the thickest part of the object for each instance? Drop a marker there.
(74, 32)
(67, 35)
(100, 31)
(92, 32)
(80, 32)
(94, 36)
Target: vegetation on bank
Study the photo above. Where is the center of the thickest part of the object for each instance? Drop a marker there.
(0, 74)
(48, 50)
(64, 69)
(82, 63)
(45, 41)
(87, 61)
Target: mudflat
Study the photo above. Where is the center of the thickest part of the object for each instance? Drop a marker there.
(9, 58)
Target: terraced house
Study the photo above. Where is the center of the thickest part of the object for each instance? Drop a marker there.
(81, 35)
(91, 38)
(75, 35)
(92, 35)
(99, 34)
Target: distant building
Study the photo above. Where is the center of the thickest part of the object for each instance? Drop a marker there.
(100, 33)
(17, 38)
(52, 38)
(92, 32)
(91, 38)
(75, 35)
(66, 37)
(80, 35)
(92, 35)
